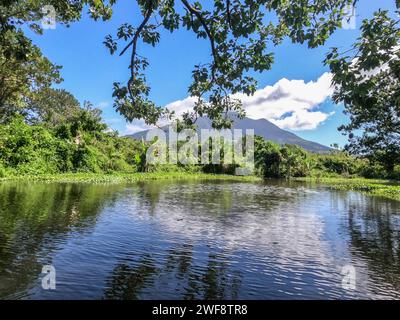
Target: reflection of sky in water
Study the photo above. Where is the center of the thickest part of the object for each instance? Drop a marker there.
(222, 240)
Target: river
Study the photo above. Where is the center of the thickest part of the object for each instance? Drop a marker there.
(197, 240)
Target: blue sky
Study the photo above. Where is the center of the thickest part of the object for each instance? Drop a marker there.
(89, 70)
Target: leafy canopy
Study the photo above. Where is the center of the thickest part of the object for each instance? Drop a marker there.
(241, 34)
(25, 74)
(24, 71)
(367, 81)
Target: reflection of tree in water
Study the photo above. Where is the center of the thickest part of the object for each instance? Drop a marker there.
(180, 259)
(149, 194)
(191, 279)
(35, 218)
(126, 282)
(374, 228)
(191, 193)
(215, 282)
(216, 198)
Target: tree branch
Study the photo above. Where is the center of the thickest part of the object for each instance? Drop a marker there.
(228, 13)
(133, 43)
(137, 33)
(206, 28)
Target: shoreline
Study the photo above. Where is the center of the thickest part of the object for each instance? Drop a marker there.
(127, 177)
(388, 189)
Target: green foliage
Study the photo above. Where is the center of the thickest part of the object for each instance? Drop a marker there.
(295, 161)
(240, 34)
(63, 137)
(52, 107)
(28, 149)
(339, 162)
(367, 82)
(3, 172)
(82, 145)
(22, 79)
(268, 158)
(140, 157)
(275, 161)
(24, 71)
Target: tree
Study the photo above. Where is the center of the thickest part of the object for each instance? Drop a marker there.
(21, 79)
(367, 81)
(241, 34)
(24, 71)
(275, 161)
(141, 156)
(295, 162)
(53, 106)
(335, 145)
(267, 158)
(238, 31)
(87, 119)
(17, 13)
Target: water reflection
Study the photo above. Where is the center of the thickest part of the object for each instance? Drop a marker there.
(196, 240)
(35, 219)
(180, 273)
(374, 231)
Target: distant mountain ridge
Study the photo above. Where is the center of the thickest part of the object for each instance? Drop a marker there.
(262, 127)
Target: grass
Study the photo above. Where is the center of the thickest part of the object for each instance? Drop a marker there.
(127, 177)
(383, 188)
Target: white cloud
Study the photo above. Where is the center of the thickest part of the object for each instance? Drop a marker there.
(181, 106)
(290, 104)
(135, 126)
(302, 120)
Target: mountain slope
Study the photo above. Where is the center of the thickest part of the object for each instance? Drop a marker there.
(263, 128)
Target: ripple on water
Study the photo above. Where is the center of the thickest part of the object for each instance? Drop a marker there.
(197, 240)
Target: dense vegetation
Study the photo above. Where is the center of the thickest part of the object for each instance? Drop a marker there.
(79, 142)
(44, 130)
(275, 161)
(367, 81)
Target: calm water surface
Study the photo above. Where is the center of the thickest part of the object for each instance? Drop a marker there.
(190, 240)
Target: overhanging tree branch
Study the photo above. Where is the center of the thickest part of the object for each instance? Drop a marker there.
(228, 13)
(137, 33)
(133, 43)
(205, 26)
(238, 38)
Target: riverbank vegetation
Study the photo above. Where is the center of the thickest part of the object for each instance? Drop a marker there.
(375, 187)
(290, 161)
(69, 138)
(47, 134)
(120, 177)
(81, 148)
(82, 143)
